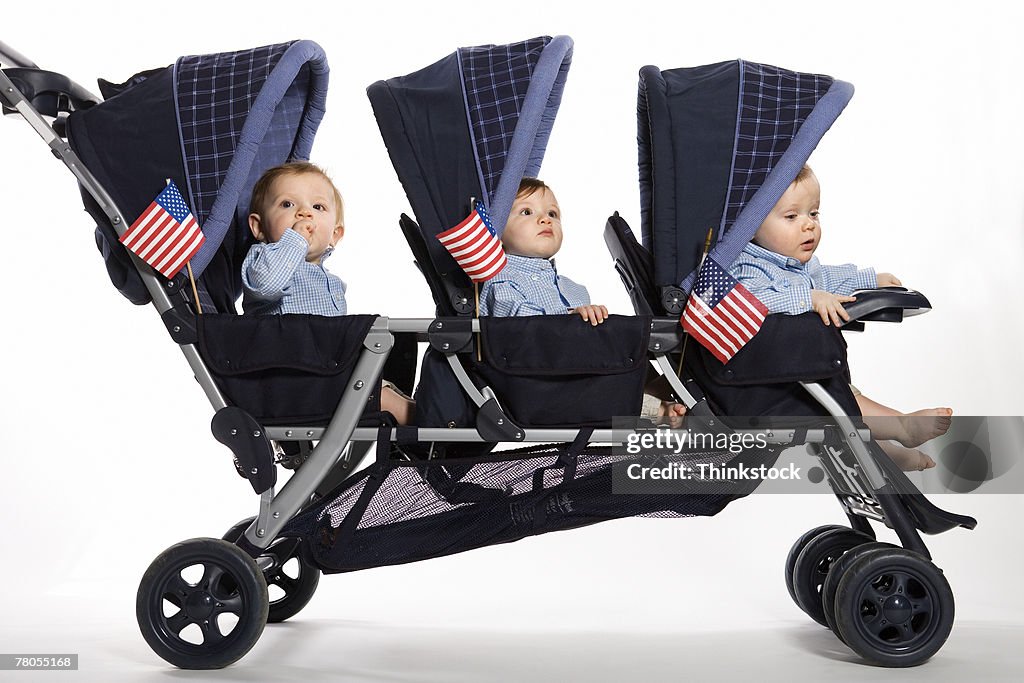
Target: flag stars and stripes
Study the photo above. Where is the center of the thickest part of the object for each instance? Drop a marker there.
(166, 235)
(722, 314)
(474, 246)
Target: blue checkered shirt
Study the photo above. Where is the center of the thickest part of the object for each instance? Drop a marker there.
(784, 284)
(530, 286)
(276, 278)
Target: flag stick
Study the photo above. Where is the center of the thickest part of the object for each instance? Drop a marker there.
(476, 298)
(195, 292)
(191, 277)
(479, 338)
(704, 255)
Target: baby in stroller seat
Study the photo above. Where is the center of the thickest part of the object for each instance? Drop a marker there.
(530, 285)
(298, 217)
(779, 268)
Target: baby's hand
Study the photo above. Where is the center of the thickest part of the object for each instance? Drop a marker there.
(304, 228)
(888, 280)
(830, 306)
(595, 315)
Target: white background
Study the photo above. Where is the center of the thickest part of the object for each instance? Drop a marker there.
(108, 457)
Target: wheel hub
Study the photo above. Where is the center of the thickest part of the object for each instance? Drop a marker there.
(897, 609)
(199, 605)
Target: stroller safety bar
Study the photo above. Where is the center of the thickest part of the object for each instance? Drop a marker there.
(888, 304)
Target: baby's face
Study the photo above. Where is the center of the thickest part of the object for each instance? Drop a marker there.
(792, 228)
(305, 202)
(534, 227)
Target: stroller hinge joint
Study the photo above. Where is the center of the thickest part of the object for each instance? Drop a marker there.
(249, 443)
(493, 425)
(666, 335)
(180, 322)
(673, 300)
(451, 335)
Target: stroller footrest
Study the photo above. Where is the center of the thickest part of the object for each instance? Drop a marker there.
(928, 517)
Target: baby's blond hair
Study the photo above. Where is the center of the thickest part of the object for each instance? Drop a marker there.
(804, 174)
(262, 187)
(527, 186)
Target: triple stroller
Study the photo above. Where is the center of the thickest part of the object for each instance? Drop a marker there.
(718, 145)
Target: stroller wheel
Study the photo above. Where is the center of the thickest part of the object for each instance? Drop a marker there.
(828, 589)
(893, 607)
(202, 604)
(291, 580)
(795, 551)
(813, 564)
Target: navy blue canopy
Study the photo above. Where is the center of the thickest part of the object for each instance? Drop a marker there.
(718, 146)
(213, 124)
(471, 125)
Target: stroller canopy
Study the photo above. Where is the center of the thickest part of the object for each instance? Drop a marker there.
(471, 126)
(213, 124)
(718, 146)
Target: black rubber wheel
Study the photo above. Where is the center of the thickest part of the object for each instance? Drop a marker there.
(893, 607)
(291, 581)
(202, 604)
(813, 564)
(794, 552)
(828, 589)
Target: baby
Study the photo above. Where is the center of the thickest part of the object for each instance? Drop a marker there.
(298, 218)
(780, 269)
(530, 285)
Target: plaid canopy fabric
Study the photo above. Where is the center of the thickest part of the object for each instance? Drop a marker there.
(774, 103)
(496, 78)
(215, 94)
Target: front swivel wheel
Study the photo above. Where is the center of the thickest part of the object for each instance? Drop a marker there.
(202, 604)
(893, 607)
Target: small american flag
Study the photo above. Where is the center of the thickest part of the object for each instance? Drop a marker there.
(721, 313)
(166, 235)
(474, 246)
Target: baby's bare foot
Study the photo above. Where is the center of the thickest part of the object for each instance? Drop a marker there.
(908, 459)
(671, 414)
(924, 425)
(669, 409)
